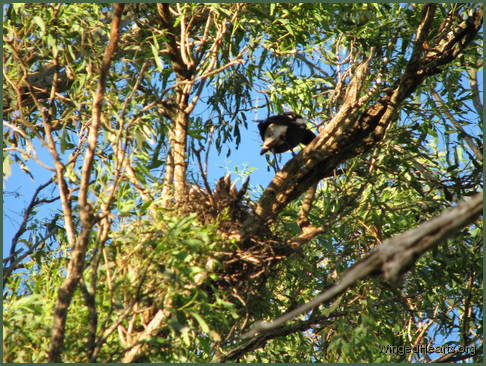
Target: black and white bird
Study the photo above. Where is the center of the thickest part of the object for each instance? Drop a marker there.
(283, 132)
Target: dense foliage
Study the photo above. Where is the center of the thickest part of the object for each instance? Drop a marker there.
(164, 274)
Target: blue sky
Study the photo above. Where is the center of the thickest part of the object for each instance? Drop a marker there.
(19, 187)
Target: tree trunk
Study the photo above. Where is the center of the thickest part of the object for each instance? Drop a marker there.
(178, 152)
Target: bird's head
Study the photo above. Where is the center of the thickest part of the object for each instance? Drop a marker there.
(294, 118)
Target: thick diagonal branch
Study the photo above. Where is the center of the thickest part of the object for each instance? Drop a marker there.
(392, 258)
(354, 132)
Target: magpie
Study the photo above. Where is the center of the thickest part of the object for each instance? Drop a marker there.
(283, 132)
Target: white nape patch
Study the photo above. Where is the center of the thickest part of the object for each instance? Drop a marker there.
(272, 134)
(300, 121)
(274, 131)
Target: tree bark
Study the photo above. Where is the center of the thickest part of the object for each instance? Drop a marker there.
(392, 258)
(178, 151)
(76, 262)
(175, 176)
(352, 132)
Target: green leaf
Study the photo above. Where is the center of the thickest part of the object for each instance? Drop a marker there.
(202, 323)
(7, 162)
(185, 336)
(17, 6)
(40, 22)
(51, 42)
(158, 60)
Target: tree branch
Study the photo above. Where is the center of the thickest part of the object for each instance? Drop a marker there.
(456, 123)
(473, 82)
(89, 299)
(259, 342)
(392, 258)
(76, 263)
(355, 132)
(23, 227)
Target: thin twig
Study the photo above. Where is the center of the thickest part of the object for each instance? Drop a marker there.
(445, 109)
(473, 82)
(134, 89)
(197, 153)
(28, 211)
(392, 258)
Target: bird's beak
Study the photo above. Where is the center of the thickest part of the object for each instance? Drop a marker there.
(263, 151)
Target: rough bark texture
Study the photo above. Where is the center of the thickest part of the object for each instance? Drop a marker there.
(76, 262)
(392, 258)
(176, 173)
(178, 151)
(351, 131)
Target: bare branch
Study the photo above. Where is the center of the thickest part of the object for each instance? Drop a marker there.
(184, 36)
(396, 255)
(134, 89)
(31, 151)
(195, 99)
(303, 219)
(258, 342)
(76, 263)
(457, 124)
(28, 211)
(422, 31)
(392, 258)
(473, 81)
(178, 64)
(197, 153)
(455, 356)
(61, 182)
(354, 132)
(151, 328)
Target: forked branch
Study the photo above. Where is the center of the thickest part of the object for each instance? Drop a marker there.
(392, 258)
(76, 262)
(354, 132)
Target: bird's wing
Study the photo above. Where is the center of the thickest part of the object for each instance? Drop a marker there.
(308, 137)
